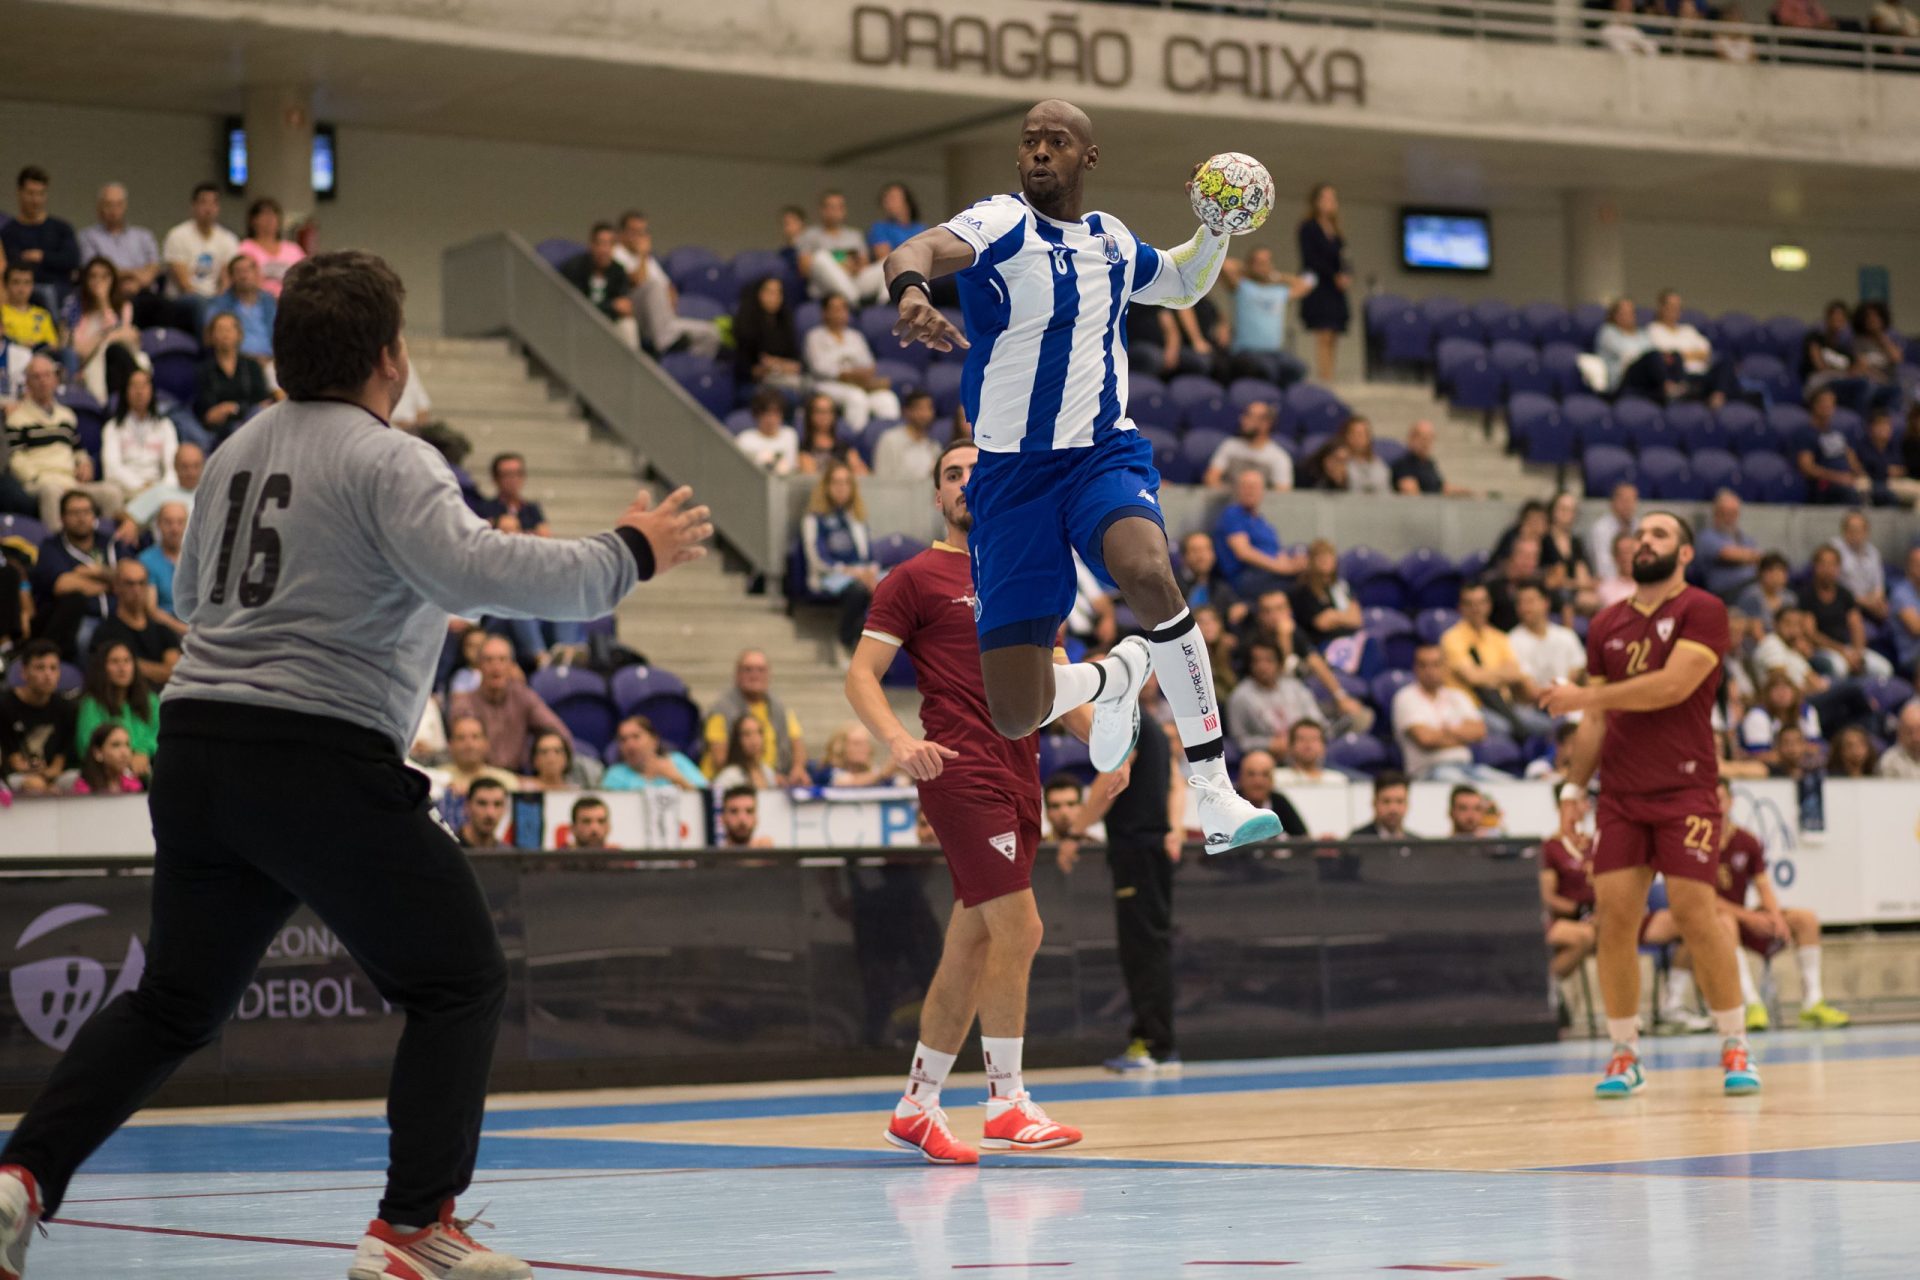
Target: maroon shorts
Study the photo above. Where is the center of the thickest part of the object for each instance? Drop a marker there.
(1677, 833)
(990, 838)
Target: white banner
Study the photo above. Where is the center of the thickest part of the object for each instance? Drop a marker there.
(839, 817)
(657, 818)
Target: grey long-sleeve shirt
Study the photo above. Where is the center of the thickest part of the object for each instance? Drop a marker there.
(326, 554)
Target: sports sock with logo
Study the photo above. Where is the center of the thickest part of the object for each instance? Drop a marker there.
(1181, 661)
(929, 1073)
(1002, 1054)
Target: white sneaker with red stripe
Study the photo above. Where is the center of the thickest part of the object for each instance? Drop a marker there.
(443, 1251)
(19, 1215)
(924, 1129)
(1016, 1123)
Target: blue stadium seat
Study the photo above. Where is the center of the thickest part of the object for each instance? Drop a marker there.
(1407, 337)
(1785, 422)
(1519, 368)
(895, 549)
(1537, 426)
(903, 377)
(1785, 336)
(1312, 409)
(581, 700)
(1360, 753)
(1738, 334)
(1385, 685)
(632, 685)
(1768, 477)
(1498, 753)
(1166, 455)
(1587, 319)
(175, 355)
(1474, 564)
(1454, 357)
(1743, 428)
(1450, 319)
(1431, 624)
(1851, 425)
(1377, 308)
(1560, 361)
(1548, 324)
(1393, 631)
(1591, 420)
(1692, 426)
(1148, 404)
(1390, 451)
(1715, 469)
(687, 258)
(24, 529)
(1212, 414)
(1769, 374)
(1605, 467)
(876, 326)
(1665, 476)
(1433, 579)
(1242, 392)
(1196, 450)
(806, 317)
(1639, 421)
(942, 382)
(557, 249)
(1190, 388)
(739, 420)
(1708, 327)
(1062, 753)
(714, 281)
(1499, 322)
(696, 306)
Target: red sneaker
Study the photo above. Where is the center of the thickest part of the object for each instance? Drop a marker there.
(1017, 1123)
(19, 1214)
(926, 1131)
(443, 1251)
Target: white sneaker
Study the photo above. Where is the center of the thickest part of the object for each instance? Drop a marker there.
(1116, 716)
(443, 1251)
(19, 1214)
(1229, 820)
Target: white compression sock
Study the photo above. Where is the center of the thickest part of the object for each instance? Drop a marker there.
(1003, 1065)
(1749, 994)
(1079, 683)
(1181, 661)
(1679, 991)
(930, 1068)
(1625, 1031)
(1730, 1023)
(1813, 992)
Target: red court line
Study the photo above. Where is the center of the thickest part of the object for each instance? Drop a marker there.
(577, 1267)
(1005, 1266)
(381, 1186)
(1215, 1263)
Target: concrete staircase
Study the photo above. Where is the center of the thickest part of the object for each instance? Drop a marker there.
(693, 623)
(1466, 454)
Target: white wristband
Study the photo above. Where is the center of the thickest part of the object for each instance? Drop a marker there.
(1572, 791)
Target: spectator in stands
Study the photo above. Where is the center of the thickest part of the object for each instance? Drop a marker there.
(1326, 467)
(1247, 545)
(1731, 558)
(43, 446)
(1877, 355)
(1268, 703)
(1622, 35)
(1621, 343)
(1546, 652)
(557, 768)
(1323, 263)
(838, 548)
(784, 748)
(770, 442)
(1367, 471)
(1324, 608)
(264, 247)
(601, 281)
(1671, 335)
(1621, 515)
(1202, 582)
(1827, 352)
(852, 760)
(138, 447)
(1619, 585)
(1901, 760)
(1553, 768)
(230, 386)
(1273, 621)
(1390, 795)
(1732, 46)
(21, 318)
(908, 451)
(1790, 650)
(765, 351)
(1824, 457)
(898, 223)
(591, 823)
(1564, 555)
(1529, 526)
(35, 238)
(1416, 472)
(511, 711)
(1307, 757)
(115, 692)
(646, 762)
(1903, 620)
(1261, 297)
(1254, 448)
(99, 329)
(162, 560)
(1808, 15)
(1861, 569)
(1481, 661)
(252, 306)
(1839, 631)
(37, 724)
(468, 753)
(842, 366)
(1065, 798)
(73, 576)
(132, 250)
(1884, 463)
(198, 250)
(509, 472)
(155, 646)
(1503, 581)
(833, 256)
(1852, 754)
(1435, 723)
(740, 820)
(1780, 707)
(1221, 644)
(1256, 784)
(656, 302)
(1768, 595)
(1466, 813)
(106, 765)
(1893, 18)
(486, 814)
(189, 461)
(1792, 755)
(745, 762)
(820, 443)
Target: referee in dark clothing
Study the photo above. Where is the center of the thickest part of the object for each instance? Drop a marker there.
(317, 577)
(1143, 804)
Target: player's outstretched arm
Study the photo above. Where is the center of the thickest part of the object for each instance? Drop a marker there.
(922, 761)
(1186, 273)
(933, 253)
(1689, 664)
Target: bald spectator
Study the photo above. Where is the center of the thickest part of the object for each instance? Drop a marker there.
(1861, 569)
(189, 460)
(467, 752)
(1416, 472)
(162, 559)
(1902, 759)
(35, 238)
(486, 815)
(512, 713)
(785, 750)
(740, 820)
(155, 646)
(1254, 448)
(132, 250)
(43, 448)
(1617, 583)
(1256, 784)
(1729, 556)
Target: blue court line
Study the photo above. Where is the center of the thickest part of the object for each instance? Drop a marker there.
(1881, 1162)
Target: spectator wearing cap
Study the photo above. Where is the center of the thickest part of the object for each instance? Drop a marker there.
(1730, 556)
(1861, 569)
(35, 238)
(783, 746)
(43, 448)
(908, 451)
(644, 762)
(1253, 448)
(842, 366)
(511, 712)
(230, 386)
(600, 280)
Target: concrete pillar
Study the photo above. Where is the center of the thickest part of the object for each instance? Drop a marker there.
(1596, 248)
(279, 124)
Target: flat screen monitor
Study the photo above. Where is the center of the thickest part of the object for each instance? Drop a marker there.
(326, 168)
(1446, 240)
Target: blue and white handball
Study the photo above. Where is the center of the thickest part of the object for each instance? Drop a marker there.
(1232, 194)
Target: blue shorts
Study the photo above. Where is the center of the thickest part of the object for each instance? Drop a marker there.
(1031, 511)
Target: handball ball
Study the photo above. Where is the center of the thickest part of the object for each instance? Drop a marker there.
(1232, 194)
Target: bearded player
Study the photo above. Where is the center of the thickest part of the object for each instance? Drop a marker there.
(981, 793)
(1045, 287)
(1653, 667)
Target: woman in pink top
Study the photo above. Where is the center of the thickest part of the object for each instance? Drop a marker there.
(264, 245)
(108, 768)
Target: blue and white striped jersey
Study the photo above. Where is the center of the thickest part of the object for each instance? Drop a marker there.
(1046, 314)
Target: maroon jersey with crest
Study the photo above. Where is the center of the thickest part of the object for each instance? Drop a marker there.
(926, 607)
(1741, 862)
(1672, 749)
(1572, 871)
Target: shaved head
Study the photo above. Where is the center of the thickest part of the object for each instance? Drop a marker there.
(1060, 113)
(1056, 151)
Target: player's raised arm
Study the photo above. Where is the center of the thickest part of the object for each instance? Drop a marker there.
(933, 253)
(1180, 277)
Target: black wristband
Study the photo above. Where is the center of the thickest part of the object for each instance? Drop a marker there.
(898, 286)
(640, 549)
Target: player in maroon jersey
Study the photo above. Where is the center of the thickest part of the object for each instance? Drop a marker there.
(981, 793)
(1653, 667)
(1566, 891)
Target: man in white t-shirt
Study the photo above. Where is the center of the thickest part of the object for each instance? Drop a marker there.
(656, 303)
(842, 366)
(198, 250)
(1307, 758)
(1253, 449)
(1545, 650)
(770, 441)
(1437, 724)
(1669, 333)
(833, 256)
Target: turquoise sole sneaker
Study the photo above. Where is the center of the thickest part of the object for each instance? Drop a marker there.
(1255, 830)
(1738, 1084)
(1623, 1085)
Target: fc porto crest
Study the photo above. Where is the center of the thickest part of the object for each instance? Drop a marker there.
(1664, 629)
(1111, 246)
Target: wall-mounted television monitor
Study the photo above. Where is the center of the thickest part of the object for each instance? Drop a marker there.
(1446, 240)
(326, 171)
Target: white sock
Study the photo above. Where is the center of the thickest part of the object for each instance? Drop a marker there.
(1749, 994)
(1813, 992)
(1003, 1065)
(1079, 683)
(1731, 1023)
(930, 1068)
(1625, 1031)
(1185, 669)
(1680, 991)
